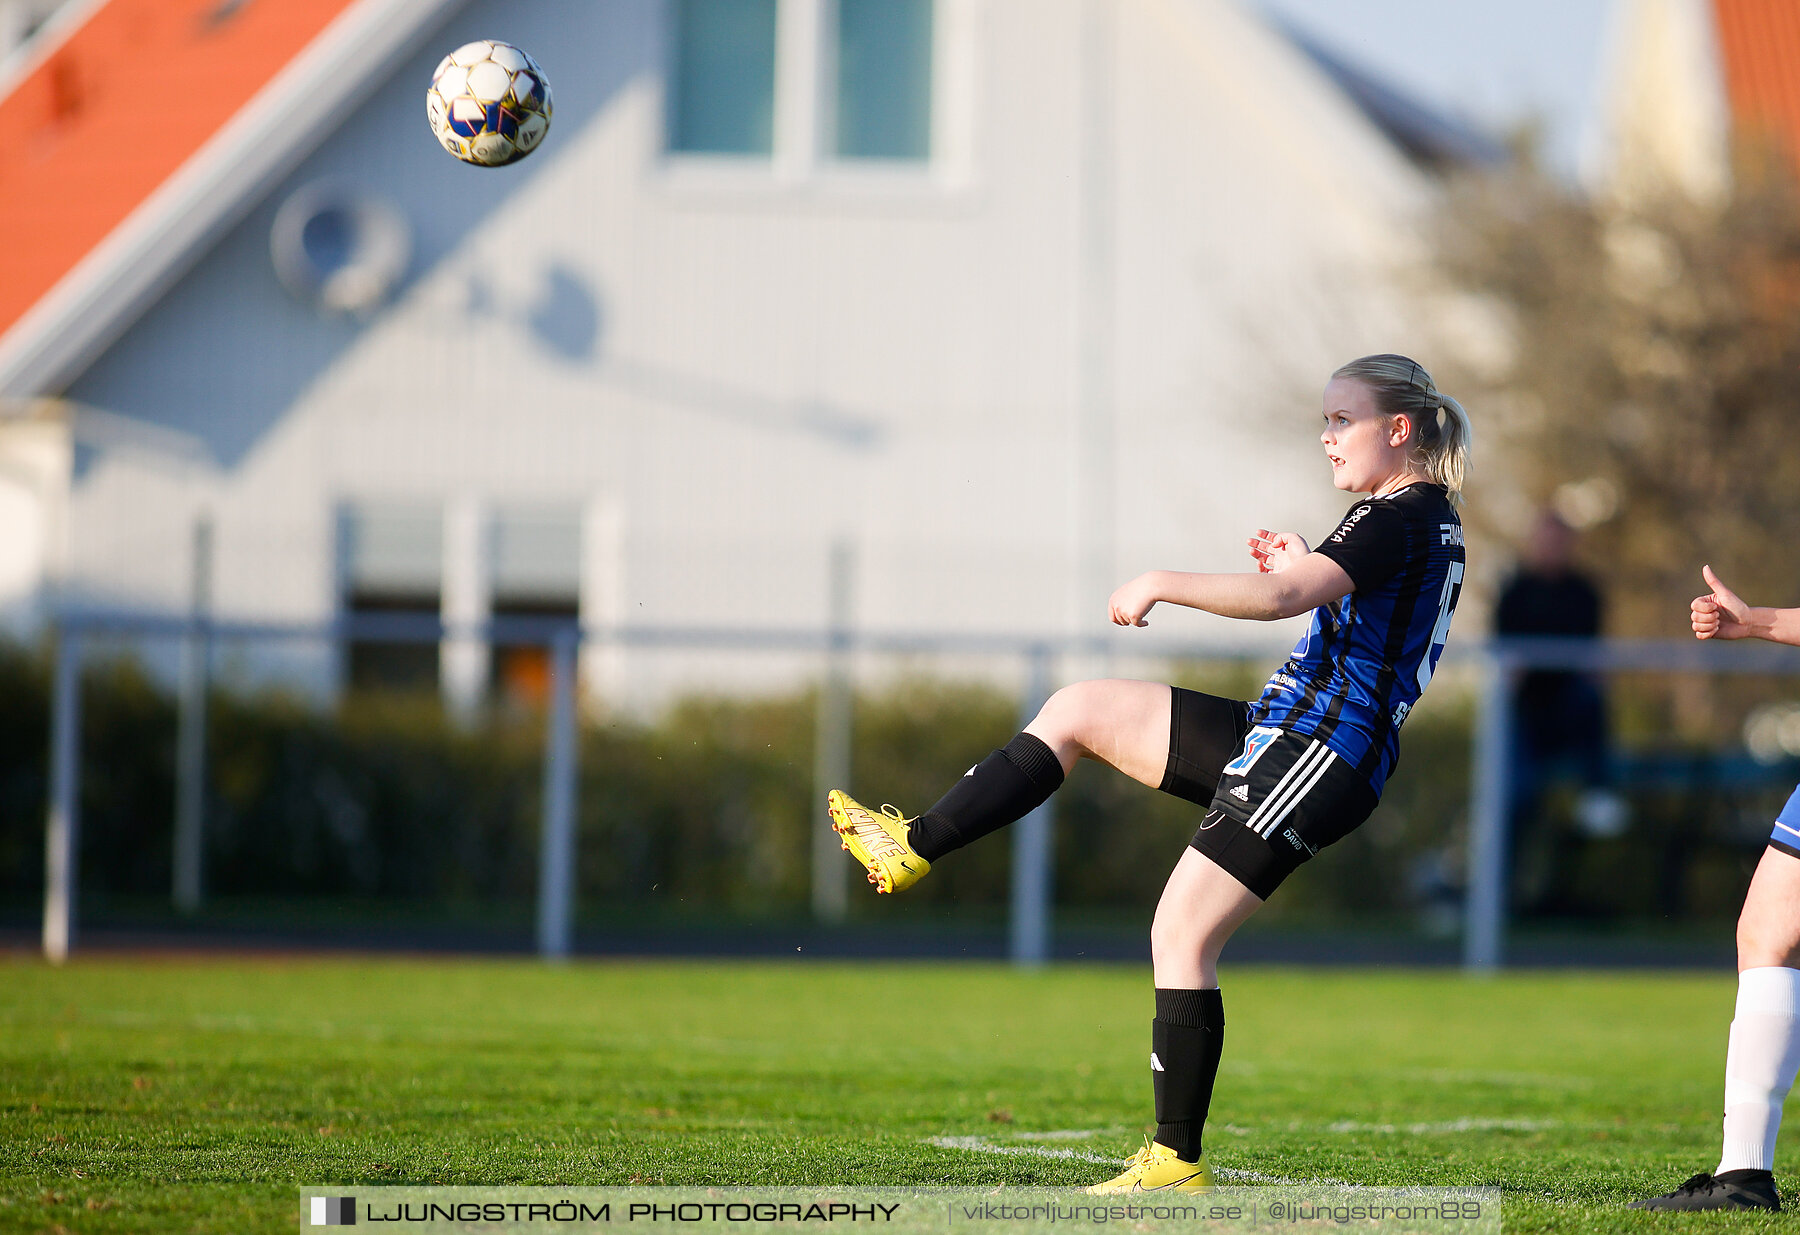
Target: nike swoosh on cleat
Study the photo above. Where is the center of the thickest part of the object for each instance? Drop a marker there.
(1138, 1186)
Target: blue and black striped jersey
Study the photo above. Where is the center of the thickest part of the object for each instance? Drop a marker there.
(1367, 657)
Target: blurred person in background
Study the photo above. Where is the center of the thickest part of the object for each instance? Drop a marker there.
(1281, 777)
(1559, 721)
(1763, 1052)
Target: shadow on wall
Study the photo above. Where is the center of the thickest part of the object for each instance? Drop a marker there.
(567, 319)
(227, 351)
(566, 315)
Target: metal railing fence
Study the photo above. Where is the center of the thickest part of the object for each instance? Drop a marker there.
(1497, 663)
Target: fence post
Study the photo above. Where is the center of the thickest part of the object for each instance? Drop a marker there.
(1484, 929)
(831, 746)
(466, 652)
(190, 737)
(556, 855)
(1033, 846)
(62, 829)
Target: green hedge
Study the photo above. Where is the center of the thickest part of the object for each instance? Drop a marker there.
(708, 807)
(707, 810)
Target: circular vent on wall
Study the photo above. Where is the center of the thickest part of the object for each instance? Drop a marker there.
(339, 249)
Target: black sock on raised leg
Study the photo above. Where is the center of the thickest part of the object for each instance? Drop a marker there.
(1009, 784)
(1185, 1040)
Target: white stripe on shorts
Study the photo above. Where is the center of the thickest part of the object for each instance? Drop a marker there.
(1288, 791)
(1300, 794)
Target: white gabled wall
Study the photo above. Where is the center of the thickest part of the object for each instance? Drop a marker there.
(34, 488)
(733, 366)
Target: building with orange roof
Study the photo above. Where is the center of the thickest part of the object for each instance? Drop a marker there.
(1690, 78)
(85, 157)
(1759, 51)
(984, 289)
(139, 128)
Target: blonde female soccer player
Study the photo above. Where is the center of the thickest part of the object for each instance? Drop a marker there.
(1763, 1052)
(1281, 777)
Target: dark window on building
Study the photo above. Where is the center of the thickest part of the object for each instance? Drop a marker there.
(722, 99)
(536, 574)
(883, 95)
(391, 562)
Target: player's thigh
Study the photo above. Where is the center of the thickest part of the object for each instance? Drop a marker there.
(1768, 930)
(1120, 722)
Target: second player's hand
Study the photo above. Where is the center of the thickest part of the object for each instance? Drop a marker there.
(1721, 614)
(1133, 600)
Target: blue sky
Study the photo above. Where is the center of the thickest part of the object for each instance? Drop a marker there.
(1496, 61)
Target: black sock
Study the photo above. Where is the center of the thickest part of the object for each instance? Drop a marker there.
(1009, 784)
(1185, 1040)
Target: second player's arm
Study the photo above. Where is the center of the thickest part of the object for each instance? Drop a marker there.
(1775, 625)
(1722, 614)
(1306, 583)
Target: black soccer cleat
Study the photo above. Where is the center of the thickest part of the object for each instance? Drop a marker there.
(1746, 1189)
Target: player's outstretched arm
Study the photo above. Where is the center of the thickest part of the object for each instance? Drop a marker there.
(1722, 614)
(1302, 581)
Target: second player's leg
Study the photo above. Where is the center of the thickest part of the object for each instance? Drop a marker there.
(1764, 1049)
(1762, 1056)
(1768, 931)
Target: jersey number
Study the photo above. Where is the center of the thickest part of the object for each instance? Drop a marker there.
(1255, 743)
(1441, 632)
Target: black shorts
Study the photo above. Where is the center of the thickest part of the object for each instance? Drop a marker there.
(1273, 798)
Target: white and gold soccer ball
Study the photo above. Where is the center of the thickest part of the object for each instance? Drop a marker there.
(488, 103)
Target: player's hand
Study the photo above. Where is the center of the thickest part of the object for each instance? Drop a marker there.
(1133, 600)
(1721, 614)
(1276, 551)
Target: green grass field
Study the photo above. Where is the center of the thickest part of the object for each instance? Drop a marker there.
(159, 1093)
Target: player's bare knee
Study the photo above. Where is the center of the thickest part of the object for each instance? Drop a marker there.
(1173, 937)
(1183, 937)
(1749, 947)
(1768, 928)
(1073, 703)
(1763, 943)
(1065, 716)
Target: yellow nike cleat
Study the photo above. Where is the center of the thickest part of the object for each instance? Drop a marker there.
(878, 841)
(1155, 1168)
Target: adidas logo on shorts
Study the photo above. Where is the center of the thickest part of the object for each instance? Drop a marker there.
(1241, 792)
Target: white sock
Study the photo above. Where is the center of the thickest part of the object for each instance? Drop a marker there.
(1760, 1066)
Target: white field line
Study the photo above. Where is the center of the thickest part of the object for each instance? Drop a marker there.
(982, 1145)
(1548, 1080)
(1451, 1125)
(986, 1145)
(1446, 1076)
(1228, 1175)
(1465, 1124)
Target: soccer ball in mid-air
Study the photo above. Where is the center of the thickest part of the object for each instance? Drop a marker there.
(488, 103)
